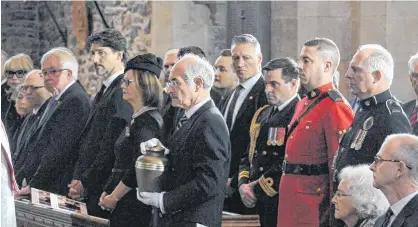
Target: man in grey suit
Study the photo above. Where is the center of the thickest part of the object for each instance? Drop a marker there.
(395, 173)
(199, 151)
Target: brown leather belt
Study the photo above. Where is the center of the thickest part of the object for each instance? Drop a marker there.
(305, 169)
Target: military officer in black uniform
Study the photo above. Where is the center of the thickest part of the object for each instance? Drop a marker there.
(259, 175)
(379, 115)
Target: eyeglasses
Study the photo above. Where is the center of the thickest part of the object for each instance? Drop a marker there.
(414, 75)
(340, 194)
(24, 88)
(171, 83)
(18, 73)
(127, 82)
(378, 160)
(51, 72)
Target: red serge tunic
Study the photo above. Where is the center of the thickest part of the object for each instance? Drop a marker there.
(304, 200)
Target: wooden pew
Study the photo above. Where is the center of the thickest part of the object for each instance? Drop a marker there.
(240, 221)
(29, 215)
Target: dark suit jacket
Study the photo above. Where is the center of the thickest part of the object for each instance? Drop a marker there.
(29, 127)
(239, 136)
(408, 217)
(52, 148)
(199, 163)
(105, 122)
(409, 108)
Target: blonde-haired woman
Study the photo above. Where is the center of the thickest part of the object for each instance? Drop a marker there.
(15, 70)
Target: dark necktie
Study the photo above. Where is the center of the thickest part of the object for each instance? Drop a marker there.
(275, 110)
(232, 107)
(389, 214)
(414, 117)
(181, 122)
(99, 94)
(49, 109)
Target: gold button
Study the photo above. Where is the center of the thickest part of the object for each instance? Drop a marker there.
(264, 152)
(306, 103)
(291, 137)
(307, 127)
(318, 190)
(261, 169)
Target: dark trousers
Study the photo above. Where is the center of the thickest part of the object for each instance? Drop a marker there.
(129, 212)
(234, 204)
(93, 208)
(267, 210)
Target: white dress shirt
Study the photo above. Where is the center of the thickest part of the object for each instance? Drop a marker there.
(110, 80)
(246, 88)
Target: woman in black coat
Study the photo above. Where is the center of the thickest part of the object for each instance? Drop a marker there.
(142, 90)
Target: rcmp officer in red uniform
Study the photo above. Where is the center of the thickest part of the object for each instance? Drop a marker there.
(260, 169)
(370, 75)
(313, 134)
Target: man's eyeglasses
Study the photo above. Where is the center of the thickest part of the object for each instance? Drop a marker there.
(51, 72)
(18, 73)
(127, 82)
(340, 194)
(414, 75)
(378, 160)
(171, 83)
(24, 88)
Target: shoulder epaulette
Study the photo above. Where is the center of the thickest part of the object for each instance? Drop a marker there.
(393, 106)
(335, 95)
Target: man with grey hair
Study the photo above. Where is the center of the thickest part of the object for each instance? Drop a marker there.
(319, 120)
(370, 75)
(238, 109)
(50, 154)
(411, 107)
(199, 151)
(395, 173)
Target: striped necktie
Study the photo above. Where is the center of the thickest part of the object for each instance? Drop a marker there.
(181, 122)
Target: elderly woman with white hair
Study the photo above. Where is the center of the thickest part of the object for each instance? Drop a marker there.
(356, 201)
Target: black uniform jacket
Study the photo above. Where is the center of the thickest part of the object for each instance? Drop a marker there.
(268, 153)
(199, 163)
(377, 117)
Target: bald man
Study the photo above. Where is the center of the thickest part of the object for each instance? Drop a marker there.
(38, 96)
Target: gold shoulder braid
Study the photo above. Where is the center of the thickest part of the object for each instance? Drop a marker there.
(254, 131)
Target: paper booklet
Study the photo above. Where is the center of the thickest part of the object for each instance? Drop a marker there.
(58, 202)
